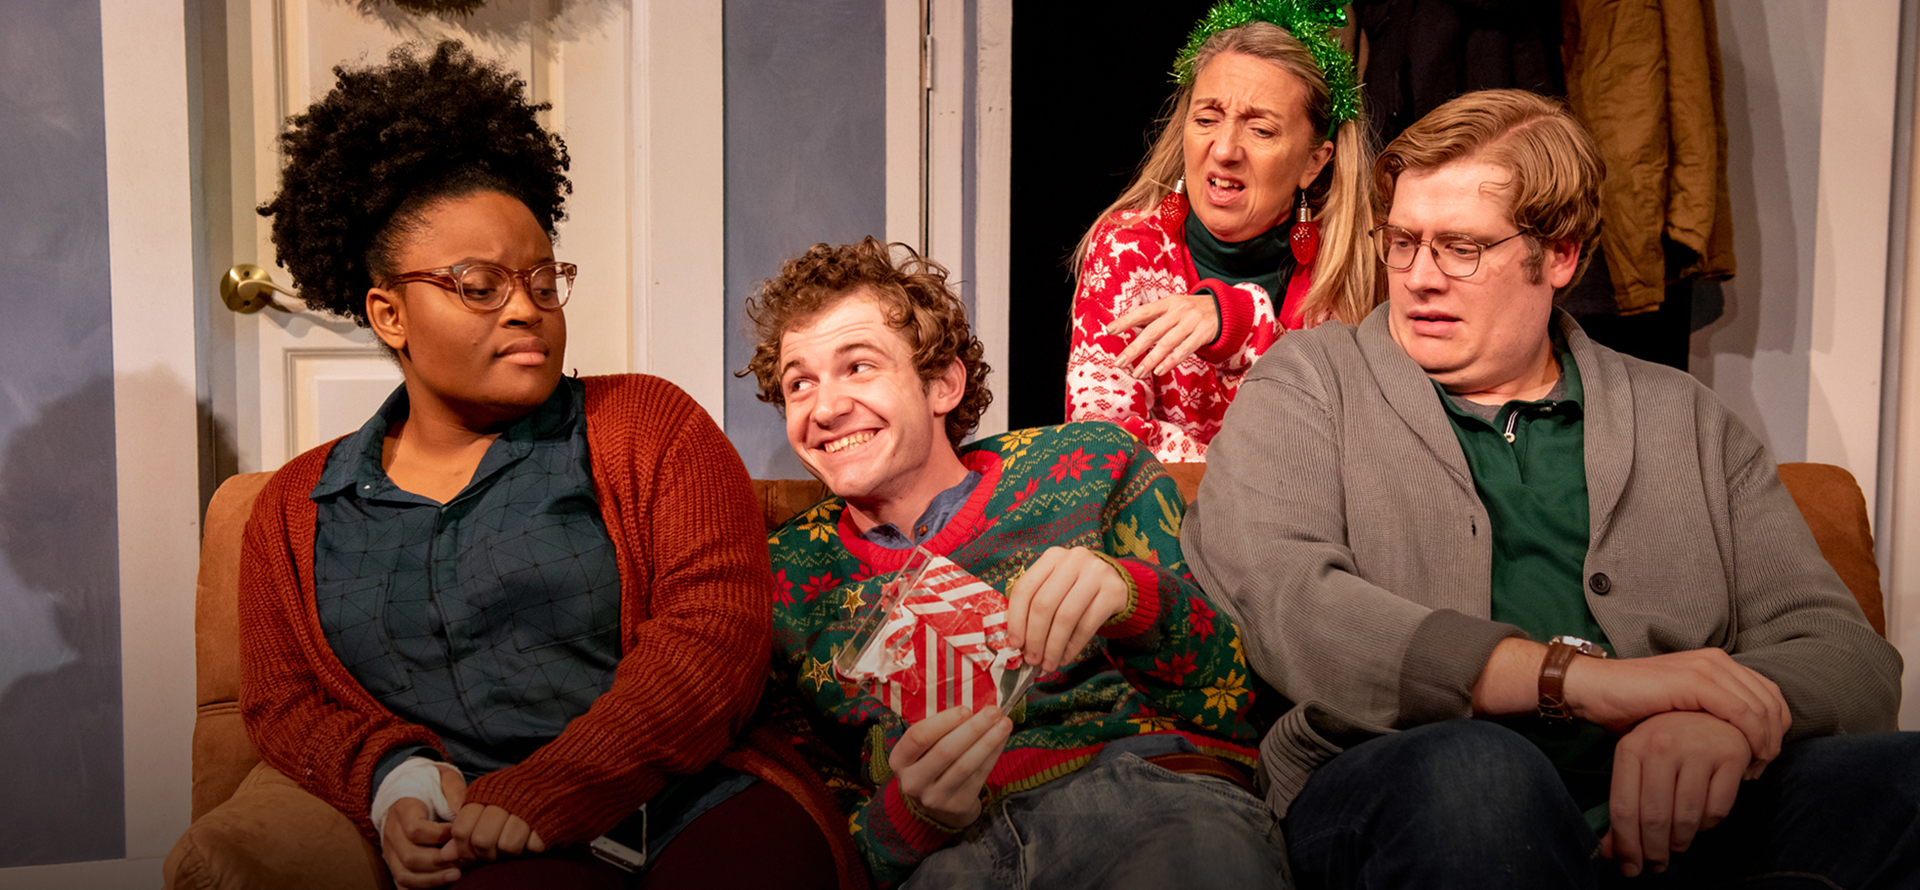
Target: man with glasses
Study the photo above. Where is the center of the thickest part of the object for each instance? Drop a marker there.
(1546, 613)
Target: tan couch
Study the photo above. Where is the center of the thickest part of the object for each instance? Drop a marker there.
(226, 846)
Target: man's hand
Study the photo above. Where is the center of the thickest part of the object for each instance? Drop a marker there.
(1674, 775)
(485, 833)
(1055, 608)
(942, 762)
(415, 846)
(1618, 694)
(1172, 328)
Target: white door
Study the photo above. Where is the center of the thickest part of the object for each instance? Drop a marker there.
(284, 381)
(193, 98)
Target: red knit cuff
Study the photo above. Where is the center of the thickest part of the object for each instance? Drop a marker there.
(1236, 320)
(1143, 612)
(918, 831)
(1138, 426)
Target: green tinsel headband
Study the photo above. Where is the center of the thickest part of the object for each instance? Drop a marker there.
(1309, 21)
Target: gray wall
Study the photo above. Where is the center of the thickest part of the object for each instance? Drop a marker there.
(806, 163)
(1755, 356)
(61, 789)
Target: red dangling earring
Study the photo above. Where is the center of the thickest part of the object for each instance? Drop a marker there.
(1305, 238)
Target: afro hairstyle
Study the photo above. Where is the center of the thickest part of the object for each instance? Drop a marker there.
(365, 161)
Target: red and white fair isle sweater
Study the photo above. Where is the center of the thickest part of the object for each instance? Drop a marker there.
(1134, 258)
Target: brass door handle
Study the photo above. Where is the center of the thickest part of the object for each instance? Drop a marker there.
(248, 288)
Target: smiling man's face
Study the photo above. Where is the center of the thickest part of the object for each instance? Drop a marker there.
(858, 414)
(1486, 333)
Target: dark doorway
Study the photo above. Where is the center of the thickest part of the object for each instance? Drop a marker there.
(1089, 82)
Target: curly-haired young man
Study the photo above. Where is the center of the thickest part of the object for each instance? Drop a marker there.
(1129, 763)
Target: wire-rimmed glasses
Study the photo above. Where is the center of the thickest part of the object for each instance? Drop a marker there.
(1455, 255)
(485, 287)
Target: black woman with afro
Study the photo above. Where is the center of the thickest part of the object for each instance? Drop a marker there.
(515, 606)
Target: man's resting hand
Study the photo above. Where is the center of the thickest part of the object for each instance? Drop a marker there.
(1619, 693)
(942, 762)
(1674, 774)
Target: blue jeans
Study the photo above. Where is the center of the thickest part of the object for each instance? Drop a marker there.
(1472, 804)
(1120, 822)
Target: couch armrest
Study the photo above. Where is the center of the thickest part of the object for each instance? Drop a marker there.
(1835, 509)
(222, 755)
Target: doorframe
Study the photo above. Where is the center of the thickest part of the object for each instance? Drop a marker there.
(677, 148)
(151, 226)
(928, 187)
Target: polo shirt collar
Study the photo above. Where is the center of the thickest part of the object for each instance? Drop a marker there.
(1567, 391)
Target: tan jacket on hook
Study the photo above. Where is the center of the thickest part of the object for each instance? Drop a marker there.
(1644, 77)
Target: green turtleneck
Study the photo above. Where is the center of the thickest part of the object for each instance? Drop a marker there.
(1265, 259)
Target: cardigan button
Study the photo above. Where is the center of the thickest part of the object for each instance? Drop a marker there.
(1600, 584)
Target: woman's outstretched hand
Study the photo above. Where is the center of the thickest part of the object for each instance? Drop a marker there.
(1171, 329)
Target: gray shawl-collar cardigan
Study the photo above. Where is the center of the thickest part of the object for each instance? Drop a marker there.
(1339, 524)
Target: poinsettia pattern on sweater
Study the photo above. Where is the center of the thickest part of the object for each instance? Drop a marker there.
(1171, 666)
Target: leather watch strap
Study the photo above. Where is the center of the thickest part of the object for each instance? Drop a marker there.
(1553, 681)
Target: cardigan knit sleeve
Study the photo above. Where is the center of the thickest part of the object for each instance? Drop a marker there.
(696, 626)
(1795, 621)
(303, 712)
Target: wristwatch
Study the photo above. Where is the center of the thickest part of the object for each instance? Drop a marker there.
(1553, 675)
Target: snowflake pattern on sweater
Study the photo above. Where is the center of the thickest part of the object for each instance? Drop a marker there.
(1134, 258)
(1171, 666)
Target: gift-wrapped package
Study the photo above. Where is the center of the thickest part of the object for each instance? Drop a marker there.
(936, 638)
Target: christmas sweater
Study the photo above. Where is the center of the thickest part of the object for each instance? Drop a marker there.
(1134, 258)
(1172, 664)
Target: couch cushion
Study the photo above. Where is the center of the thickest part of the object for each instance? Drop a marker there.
(273, 834)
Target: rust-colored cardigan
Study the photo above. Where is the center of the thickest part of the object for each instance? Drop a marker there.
(695, 633)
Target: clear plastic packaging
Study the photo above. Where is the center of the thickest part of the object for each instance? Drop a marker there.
(936, 638)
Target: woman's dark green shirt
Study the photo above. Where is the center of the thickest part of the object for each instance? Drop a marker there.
(492, 619)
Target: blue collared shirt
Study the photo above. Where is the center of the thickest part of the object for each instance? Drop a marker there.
(939, 512)
(492, 619)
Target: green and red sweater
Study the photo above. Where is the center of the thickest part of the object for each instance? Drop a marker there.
(1173, 665)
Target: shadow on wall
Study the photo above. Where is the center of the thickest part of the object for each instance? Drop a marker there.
(1754, 356)
(61, 764)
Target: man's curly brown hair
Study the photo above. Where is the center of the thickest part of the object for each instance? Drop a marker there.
(387, 143)
(912, 293)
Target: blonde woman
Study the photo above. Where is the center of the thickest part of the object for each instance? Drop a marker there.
(1248, 218)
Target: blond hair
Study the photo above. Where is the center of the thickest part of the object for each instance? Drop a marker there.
(1343, 274)
(1554, 167)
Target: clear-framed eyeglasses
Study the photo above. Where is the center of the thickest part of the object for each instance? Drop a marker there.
(1455, 255)
(485, 287)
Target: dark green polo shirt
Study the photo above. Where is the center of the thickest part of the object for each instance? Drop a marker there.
(1529, 466)
(492, 619)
